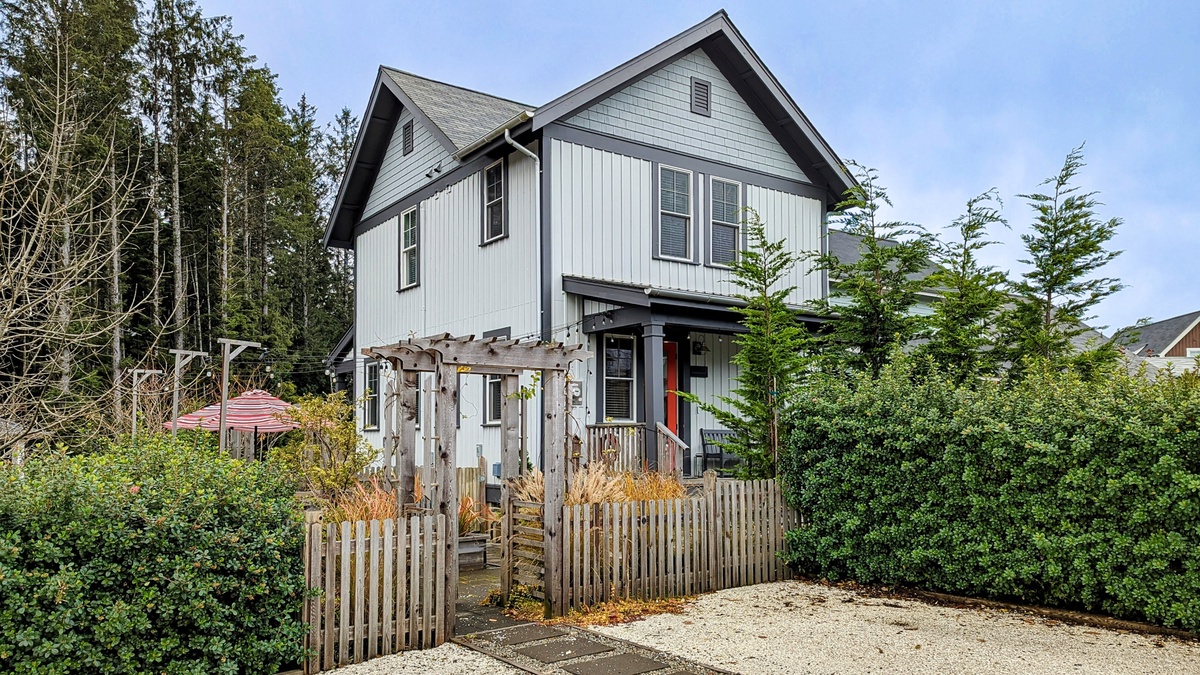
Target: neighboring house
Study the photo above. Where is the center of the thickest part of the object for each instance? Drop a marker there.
(604, 217)
(1171, 343)
(848, 249)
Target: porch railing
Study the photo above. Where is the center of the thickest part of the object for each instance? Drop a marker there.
(622, 447)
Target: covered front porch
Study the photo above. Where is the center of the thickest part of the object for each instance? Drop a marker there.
(649, 345)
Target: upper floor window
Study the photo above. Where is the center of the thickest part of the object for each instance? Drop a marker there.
(410, 251)
(1193, 352)
(370, 395)
(494, 226)
(675, 213)
(406, 137)
(726, 230)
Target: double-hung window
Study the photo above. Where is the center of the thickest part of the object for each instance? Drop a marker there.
(410, 251)
(674, 213)
(494, 226)
(725, 229)
(618, 377)
(493, 399)
(370, 395)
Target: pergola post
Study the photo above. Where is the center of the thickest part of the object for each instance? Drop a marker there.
(406, 462)
(446, 491)
(554, 456)
(510, 468)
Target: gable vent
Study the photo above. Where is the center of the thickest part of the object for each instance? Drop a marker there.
(702, 97)
(407, 137)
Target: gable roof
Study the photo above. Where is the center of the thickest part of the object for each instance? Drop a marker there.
(1160, 336)
(464, 120)
(461, 115)
(738, 62)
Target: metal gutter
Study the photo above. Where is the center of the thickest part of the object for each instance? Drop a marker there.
(502, 130)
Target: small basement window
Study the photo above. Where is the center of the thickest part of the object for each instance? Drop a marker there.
(701, 97)
(726, 222)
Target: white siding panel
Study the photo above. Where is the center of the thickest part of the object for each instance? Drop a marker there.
(465, 288)
(602, 219)
(656, 110)
(399, 174)
(721, 371)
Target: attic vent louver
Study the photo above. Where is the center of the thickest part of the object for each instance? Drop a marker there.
(702, 97)
(407, 137)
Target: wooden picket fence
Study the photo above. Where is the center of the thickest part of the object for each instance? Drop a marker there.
(728, 536)
(378, 590)
(524, 560)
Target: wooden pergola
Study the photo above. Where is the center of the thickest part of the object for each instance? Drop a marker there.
(447, 357)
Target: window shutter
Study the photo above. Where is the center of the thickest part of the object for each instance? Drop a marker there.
(724, 244)
(702, 97)
(407, 137)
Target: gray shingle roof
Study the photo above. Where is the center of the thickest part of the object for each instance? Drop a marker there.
(463, 115)
(846, 247)
(1159, 335)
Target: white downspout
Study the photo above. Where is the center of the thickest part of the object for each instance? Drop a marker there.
(537, 224)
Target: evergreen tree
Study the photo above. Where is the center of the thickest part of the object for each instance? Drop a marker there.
(1065, 250)
(770, 357)
(963, 322)
(871, 298)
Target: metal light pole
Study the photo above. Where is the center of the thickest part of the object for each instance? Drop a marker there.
(182, 358)
(227, 356)
(140, 375)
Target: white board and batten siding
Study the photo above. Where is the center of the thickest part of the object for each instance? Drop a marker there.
(656, 111)
(400, 174)
(464, 288)
(601, 208)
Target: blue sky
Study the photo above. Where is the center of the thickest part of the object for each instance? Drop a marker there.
(946, 100)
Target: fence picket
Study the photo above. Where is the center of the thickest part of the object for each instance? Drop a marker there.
(388, 603)
(373, 608)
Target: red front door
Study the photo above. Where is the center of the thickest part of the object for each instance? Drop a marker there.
(671, 377)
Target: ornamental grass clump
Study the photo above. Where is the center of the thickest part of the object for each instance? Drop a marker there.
(598, 485)
(149, 558)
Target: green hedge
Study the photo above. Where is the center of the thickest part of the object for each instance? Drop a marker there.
(148, 559)
(1052, 490)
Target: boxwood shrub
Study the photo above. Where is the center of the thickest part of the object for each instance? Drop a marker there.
(1051, 490)
(148, 558)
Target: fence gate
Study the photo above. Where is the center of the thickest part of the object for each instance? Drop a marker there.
(378, 589)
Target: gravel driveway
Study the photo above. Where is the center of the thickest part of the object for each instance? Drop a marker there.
(799, 627)
(449, 659)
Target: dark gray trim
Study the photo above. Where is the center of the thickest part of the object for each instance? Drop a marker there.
(400, 287)
(503, 333)
(420, 194)
(434, 129)
(700, 108)
(344, 345)
(709, 320)
(504, 202)
(546, 259)
(370, 145)
(618, 294)
(622, 146)
(373, 402)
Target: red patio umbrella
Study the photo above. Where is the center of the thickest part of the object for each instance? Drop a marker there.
(255, 411)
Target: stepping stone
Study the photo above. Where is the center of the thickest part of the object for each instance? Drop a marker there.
(526, 633)
(621, 664)
(561, 650)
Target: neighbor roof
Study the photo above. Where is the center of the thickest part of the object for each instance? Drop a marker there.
(463, 115)
(846, 247)
(1159, 336)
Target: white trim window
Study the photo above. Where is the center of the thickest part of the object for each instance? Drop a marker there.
(494, 226)
(410, 249)
(493, 399)
(725, 229)
(674, 213)
(370, 395)
(619, 375)
(1193, 352)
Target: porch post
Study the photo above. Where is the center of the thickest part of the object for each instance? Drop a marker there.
(653, 404)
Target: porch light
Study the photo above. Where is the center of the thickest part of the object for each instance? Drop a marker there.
(699, 348)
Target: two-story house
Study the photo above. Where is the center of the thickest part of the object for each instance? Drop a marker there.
(606, 217)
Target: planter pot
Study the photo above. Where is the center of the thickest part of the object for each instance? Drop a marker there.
(472, 551)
